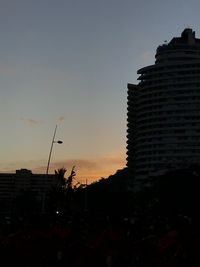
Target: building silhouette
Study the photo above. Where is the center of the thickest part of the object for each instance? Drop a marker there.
(12, 185)
(164, 110)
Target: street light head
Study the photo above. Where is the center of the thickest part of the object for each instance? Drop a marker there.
(59, 142)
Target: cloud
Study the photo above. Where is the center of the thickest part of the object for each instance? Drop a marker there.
(146, 57)
(90, 169)
(7, 70)
(61, 118)
(30, 121)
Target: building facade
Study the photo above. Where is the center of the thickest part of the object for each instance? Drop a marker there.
(164, 110)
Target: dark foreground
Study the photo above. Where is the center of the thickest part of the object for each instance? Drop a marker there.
(158, 227)
(102, 241)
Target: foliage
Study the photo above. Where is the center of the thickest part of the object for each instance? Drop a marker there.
(61, 195)
(62, 182)
(60, 177)
(69, 180)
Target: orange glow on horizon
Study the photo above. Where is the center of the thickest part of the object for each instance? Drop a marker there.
(92, 170)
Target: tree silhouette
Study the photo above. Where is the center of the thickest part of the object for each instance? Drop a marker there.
(69, 180)
(61, 194)
(60, 177)
(62, 182)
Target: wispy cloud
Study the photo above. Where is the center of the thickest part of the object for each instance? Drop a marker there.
(61, 118)
(146, 57)
(7, 70)
(30, 121)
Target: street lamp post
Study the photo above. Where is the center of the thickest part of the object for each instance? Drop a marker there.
(47, 170)
(52, 142)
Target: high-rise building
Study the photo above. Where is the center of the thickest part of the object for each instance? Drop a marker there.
(164, 109)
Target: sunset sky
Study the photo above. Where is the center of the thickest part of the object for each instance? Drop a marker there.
(67, 62)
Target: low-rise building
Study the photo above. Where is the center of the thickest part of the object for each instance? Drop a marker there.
(12, 185)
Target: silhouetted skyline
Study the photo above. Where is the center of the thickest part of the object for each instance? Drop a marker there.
(68, 62)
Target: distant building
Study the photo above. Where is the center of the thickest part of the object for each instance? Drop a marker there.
(164, 110)
(13, 184)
